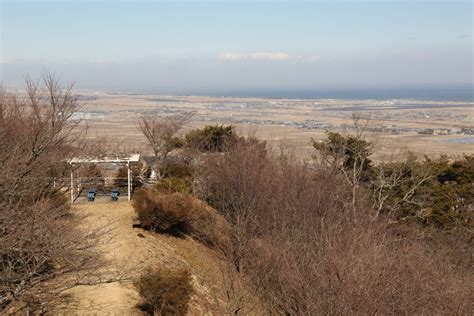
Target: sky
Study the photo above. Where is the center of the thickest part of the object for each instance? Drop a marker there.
(222, 46)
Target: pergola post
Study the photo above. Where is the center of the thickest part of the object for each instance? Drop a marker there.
(128, 180)
(79, 182)
(72, 186)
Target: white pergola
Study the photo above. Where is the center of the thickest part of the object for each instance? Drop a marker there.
(126, 160)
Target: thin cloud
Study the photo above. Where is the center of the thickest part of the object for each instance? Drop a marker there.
(313, 58)
(275, 56)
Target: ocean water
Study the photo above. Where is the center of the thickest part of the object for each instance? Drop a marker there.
(463, 93)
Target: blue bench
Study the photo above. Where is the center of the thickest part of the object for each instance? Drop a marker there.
(91, 195)
(115, 194)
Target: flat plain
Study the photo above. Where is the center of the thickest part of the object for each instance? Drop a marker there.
(424, 127)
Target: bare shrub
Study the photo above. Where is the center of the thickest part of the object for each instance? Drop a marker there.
(310, 248)
(238, 181)
(165, 291)
(175, 167)
(243, 185)
(161, 212)
(174, 184)
(39, 235)
(178, 215)
(343, 268)
(37, 134)
(161, 132)
(91, 177)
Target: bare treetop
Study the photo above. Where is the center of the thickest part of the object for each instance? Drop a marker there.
(161, 132)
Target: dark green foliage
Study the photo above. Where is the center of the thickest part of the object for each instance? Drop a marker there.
(176, 142)
(174, 184)
(459, 171)
(433, 191)
(165, 291)
(349, 150)
(451, 190)
(211, 138)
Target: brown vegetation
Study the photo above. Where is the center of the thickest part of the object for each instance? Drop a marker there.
(309, 247)
(161, 132)
(139, 173)
(178, 215)
(165, 291)
(39, 238)
(176, 175)
(330, 236)
(175, 167)
(174, 184)
(91, 177)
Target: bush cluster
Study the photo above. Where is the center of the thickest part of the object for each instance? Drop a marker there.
(174, 184)
(436, 192)
(211, 138)
(166, 213)
(165, 291)
(178, 215)
(175, 167)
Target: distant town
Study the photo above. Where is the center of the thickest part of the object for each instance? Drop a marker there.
(387, 117)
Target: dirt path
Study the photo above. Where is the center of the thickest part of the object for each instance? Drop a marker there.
(128, 251)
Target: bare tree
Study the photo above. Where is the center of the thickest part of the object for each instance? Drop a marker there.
(161, 132)
(39, 235)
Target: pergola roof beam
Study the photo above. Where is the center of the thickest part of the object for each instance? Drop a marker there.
(132, 158)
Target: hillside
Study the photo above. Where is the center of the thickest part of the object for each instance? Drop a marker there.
(130, 250)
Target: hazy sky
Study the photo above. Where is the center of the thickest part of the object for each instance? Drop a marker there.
(182, 46)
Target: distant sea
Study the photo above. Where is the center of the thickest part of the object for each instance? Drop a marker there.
(432, 94)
